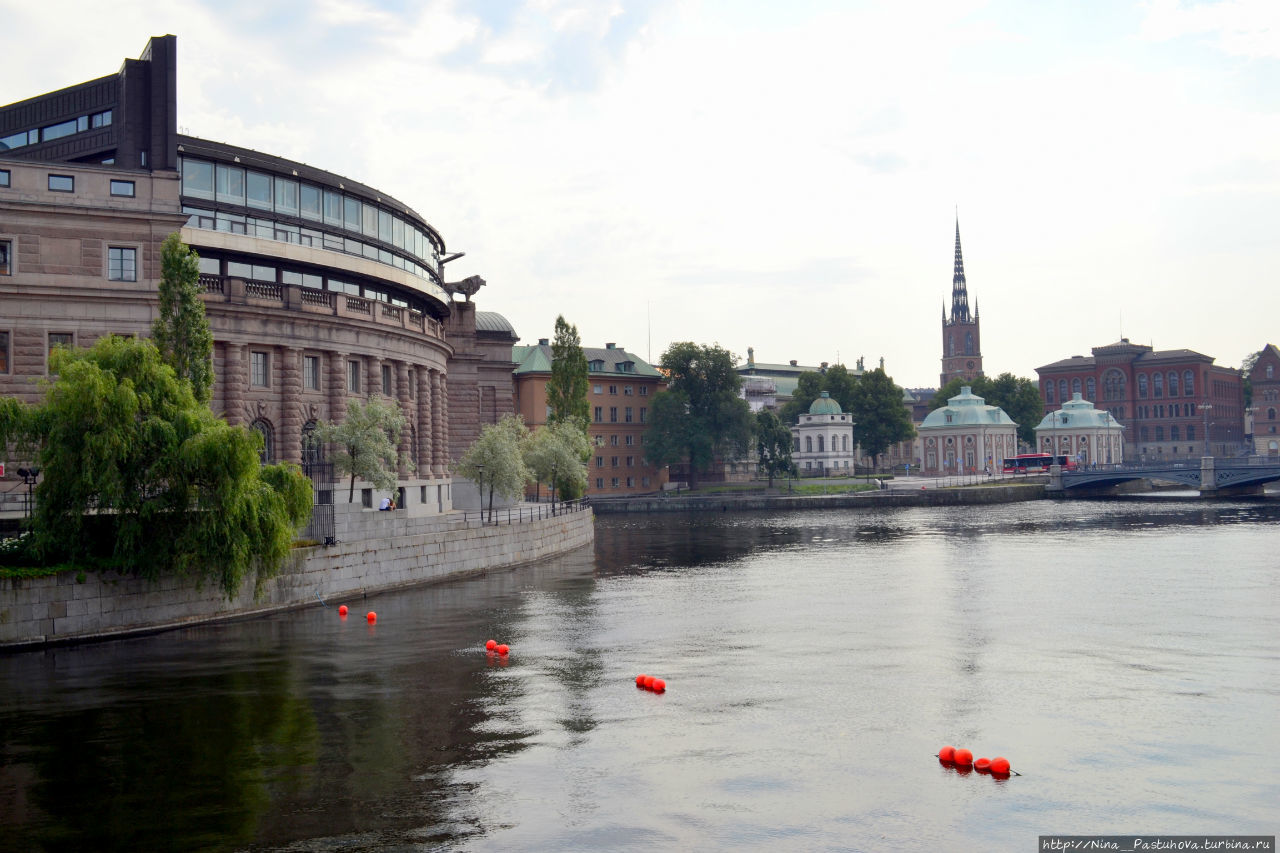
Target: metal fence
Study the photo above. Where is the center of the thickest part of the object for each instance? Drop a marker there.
(320, 528)
(522, 513)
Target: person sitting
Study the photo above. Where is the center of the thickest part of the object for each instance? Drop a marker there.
(385, 505)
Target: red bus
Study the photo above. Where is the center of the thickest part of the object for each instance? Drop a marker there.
(1037, 463)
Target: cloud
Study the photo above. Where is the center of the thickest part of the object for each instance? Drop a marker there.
(1245, 28)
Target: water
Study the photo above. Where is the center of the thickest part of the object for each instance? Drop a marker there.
(1123, 655)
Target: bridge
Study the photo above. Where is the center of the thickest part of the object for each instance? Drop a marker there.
(1225, 477)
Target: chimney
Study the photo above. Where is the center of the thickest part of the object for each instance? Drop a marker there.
(542, 342)
(793, 363)
(824, 365)
(610, 345)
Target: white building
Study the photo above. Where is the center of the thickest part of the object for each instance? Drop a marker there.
(823, 439)
(966, 436)
(1088, 435)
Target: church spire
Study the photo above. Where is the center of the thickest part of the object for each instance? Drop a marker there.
(959, 292)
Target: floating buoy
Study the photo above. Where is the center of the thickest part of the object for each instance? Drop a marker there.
(648, 682)
(372, 617)
(640, 679)
(947, 754)
(659, 685)
(963, 758)
(503, 649)
(999, 766)
(982, 765)
(342, 611)
(491, 644)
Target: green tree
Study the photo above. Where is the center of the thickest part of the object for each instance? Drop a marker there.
(181, 330)
(366, 442)
(880, 417)
(773, 445)
(1018, 396)
(555, 455)
(567, 388)
(139, 476)
(495, 461)
(841, 385)
(703, 416)
(835, 380)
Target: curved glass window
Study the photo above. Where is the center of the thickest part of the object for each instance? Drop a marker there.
(332, 208)
(258, 186)
(287, 196)
(231, 184)
(351, 213)
(309, 201)
(369, 220)
(197, 179)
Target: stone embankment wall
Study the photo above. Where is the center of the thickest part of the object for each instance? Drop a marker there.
(857, 500)
(376, 552)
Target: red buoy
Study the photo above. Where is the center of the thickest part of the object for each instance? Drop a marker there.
(999, 766)
(659, 685)
(640, 679)
(503, 649)
(648, 682)
(372, 617)
(947, 754)
(342, 611)
(963, 758)
(491, 644)
(982, 765)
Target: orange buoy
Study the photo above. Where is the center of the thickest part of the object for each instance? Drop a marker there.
(640, 679)
(659, 685)
(503, 649)
(963, 758)
(648, 682)
(947, 754)
(342, 611)
(491, 644)
(1000, 766)
(982, 765)
(372, 617)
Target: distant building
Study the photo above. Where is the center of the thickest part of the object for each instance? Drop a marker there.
(1168, 400)
(758, 376)
(621, 390)
(1265, 381)
(966, 436)
(1089, 436)
(961, 332)
(822, 440)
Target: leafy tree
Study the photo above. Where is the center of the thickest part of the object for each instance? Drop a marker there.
(496, 460)
(703, 416)
(567, 388)
(880, 417)
(366, 443)
(139, 476)
(773, 445)
(808, 388)
(1246, 381)
(1018, 396)
(181, 331)
(841, 385)
(554, 455)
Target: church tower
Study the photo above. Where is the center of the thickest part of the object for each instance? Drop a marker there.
(961, 337)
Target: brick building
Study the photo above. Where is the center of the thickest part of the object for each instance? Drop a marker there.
(1172, 403)
(1264, 379)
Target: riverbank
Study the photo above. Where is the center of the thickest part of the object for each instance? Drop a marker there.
(976, 496)
(375, 552)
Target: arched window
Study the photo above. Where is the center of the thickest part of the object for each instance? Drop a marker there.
(1173, 383)
(1113, 385)
(262, 428)
(1142, 385)
(1271, 414)
(1270, 371)
(1188, 383)
(1062, 390)
(795, 444)
(844, 443)
(1173, 433)
(821, 448)
(1090, 389)
(968, 343)
(312, 449)
(1157, 385)
(1048, 392)
(1075, 385)
(808, 444)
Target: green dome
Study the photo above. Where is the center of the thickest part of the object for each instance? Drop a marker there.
(824, 405)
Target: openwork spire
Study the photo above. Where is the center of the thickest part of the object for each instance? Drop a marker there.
(959, 292)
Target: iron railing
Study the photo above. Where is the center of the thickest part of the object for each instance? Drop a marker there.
(522, 513)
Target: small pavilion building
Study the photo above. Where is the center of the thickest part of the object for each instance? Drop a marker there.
(822, 440)
(966, 436)
(1088, 435)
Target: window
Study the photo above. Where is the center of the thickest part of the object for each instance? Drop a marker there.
(353, 377)
(599, 414)
(631, 462)
(258, 190)
(1062, 390)
(258, 367)
(599, 482)
(386, 380)
(1188, 383)
(1090, 389)
(627, 390)
(597, 389)
(6, 248)
(4, 177)
(4, 352)
(370, 220)
(312, 449)
(102, 119)
(1142, 385)
(309, 200)
(1174, 435)
(1159, 433)
(123, 188)
(808, 444)
(644, 391)
(311, 372)
(613, 462)
(62, 184)
(644, 413)
(613, 482)
(1157, 386)
(613, 441)
(1191, 434)
(267, 455)
(197, 178)
(1173, 384)
(1075, 385)
(1048, 392)
(631, 440)
(287, 196)
(229, 184)
(613, 414)
(599, 461)
(122, 264)
(60, 339)
(613, 389)
(599, 440)
(627, 414)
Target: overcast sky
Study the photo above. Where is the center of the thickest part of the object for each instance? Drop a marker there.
(776, 175)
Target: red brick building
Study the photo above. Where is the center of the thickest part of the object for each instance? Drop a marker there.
(1172, 403)
(1265, 381)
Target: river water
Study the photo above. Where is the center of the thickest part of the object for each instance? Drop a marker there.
(1123, 655)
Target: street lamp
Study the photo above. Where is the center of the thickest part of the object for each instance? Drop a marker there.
(1204, 409)
(28, 476)
(480, 490)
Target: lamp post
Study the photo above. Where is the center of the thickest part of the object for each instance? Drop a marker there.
(480, 490)
(28, 476)
(1204, 410)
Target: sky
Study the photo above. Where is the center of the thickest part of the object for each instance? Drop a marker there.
(780, 176)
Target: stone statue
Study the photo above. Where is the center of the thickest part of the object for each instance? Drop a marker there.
(467, 287)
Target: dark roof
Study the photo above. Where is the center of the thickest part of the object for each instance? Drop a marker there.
(1141, 355)
(492, 321)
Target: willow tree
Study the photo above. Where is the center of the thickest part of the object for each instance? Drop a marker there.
(140, 476)
(366, 442)
(556, 455)
(181, 330)
(495, 460)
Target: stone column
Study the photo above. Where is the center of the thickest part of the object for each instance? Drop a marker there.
(337, 390)
(438, 438)
(406, 408)
(373, 370)
(425, 437)
(234, 384)
(290, 449)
